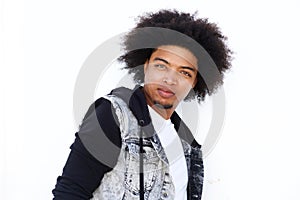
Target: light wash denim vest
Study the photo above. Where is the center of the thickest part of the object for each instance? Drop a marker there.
(122, 183)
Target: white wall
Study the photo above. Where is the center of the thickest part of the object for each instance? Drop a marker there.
(44, 44)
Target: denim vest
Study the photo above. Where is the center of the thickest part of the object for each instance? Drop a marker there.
(123, 181)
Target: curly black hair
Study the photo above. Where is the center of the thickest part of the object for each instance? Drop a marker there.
(170, 27)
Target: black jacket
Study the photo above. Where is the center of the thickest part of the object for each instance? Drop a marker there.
(83, 172)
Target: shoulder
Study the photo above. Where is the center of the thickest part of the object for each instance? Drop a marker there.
(100, 122)
(183, 131)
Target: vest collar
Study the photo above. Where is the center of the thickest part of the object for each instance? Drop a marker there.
(136, 101)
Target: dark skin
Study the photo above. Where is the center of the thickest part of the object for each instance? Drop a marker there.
(170, 74)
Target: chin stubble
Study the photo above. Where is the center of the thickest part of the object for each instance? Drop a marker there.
(168, 106)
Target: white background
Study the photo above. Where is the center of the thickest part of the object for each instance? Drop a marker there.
(44, 44)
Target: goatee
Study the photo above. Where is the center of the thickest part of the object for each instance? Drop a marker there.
(167, 106)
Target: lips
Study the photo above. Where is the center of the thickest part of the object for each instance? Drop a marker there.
(165, 92)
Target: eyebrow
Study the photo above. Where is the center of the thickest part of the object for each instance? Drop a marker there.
(165, 61)
(161, 59)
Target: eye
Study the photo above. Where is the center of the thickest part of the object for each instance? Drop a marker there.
(187, 74)
(160, 66)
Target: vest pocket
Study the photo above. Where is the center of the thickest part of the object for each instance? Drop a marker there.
(151, 170)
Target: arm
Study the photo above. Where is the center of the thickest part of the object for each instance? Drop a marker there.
(84, 170)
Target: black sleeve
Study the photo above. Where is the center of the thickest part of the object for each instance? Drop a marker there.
(94, 152)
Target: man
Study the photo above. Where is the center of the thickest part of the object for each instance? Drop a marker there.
(131, 143)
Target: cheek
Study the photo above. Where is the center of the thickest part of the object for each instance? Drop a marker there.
(146, 77)
(187, 87)
(151, 77)
(188, 84)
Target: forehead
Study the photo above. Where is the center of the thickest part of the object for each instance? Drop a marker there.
(178, 55)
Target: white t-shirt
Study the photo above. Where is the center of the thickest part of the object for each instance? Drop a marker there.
(174, 152)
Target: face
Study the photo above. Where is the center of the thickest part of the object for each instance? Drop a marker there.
(170, 74)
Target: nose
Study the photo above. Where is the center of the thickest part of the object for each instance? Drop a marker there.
(170, 77)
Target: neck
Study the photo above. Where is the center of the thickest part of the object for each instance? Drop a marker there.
(165, 113)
